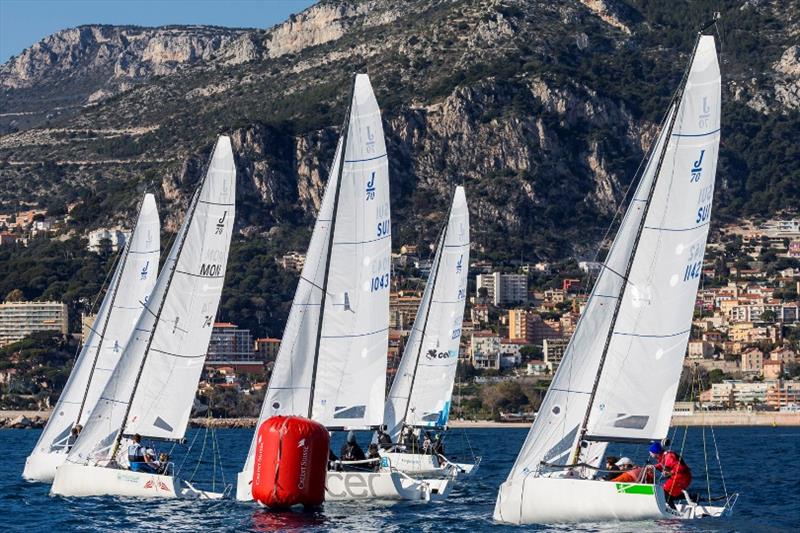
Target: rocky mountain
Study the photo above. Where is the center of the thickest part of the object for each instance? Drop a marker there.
(542, 109)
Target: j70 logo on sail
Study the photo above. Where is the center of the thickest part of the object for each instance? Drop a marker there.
(371, 187)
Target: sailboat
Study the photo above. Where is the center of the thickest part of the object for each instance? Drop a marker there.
(130, 286)
(421, 392)
(331, 364)
(619, 376)
(152, 388)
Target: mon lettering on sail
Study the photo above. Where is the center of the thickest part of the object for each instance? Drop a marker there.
(210, 270)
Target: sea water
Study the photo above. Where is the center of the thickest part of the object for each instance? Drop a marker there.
(760, 463)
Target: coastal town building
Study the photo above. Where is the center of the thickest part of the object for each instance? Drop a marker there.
(266, 348)
(403, 306)
(233, 346)
(553, 352)
(115, 237)
(20, 319)
(504, 288)
(293, 261)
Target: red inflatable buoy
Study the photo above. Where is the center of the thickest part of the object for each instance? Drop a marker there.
(291, 461)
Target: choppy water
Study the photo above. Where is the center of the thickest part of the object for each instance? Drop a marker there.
(760, 463)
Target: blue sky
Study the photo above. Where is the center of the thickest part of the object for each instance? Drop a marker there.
(24, 22)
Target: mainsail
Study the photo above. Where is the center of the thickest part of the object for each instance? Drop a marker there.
(618, 378)
(423, 385)
(127, 292)
(331, 365)
(152, 389)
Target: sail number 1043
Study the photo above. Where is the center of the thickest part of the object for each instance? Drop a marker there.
(380, 283)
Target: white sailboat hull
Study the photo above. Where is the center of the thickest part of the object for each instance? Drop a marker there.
(348, 486)
(82, 480)
(541, 500)
(41, 467)
(383, 485)
(418, 464)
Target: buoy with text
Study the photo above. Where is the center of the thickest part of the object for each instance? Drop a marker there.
(291, 461)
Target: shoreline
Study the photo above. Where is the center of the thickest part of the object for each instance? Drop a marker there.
(37, 419)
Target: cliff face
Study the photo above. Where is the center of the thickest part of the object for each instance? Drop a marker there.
(541, 109)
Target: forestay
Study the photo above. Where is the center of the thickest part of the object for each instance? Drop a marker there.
(423, 385)
(151, 392)
(130, 286)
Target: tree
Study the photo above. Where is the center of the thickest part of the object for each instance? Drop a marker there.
(768, 316)
(530, 352)
(15, 295)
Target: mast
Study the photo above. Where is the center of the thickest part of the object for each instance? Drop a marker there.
(435, 272)
(186, 224)
(670, 126)
(102, 333)
(329, 253)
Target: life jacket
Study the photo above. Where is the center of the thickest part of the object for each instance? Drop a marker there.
(681, 469)
(136, 453)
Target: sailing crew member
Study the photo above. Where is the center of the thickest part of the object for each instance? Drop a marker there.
(427, 445)
(138, 458)
(631, 473)
(373, 455)
(410, 440)
(73, 436)
(673, 467)
(612, 470)
(384, 440)
(351, 451)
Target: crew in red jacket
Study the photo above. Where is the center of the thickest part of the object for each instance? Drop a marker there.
(673, 467)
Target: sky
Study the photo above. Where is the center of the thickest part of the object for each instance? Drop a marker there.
(25, 22)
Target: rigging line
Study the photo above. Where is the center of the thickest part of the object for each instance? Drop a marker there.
(332, 232)
(677, 102)
(435, 273)
(719, 462)
(187, 223)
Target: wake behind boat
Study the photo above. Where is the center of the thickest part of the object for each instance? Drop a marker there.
(619, 375)
(131, 284)
(151, 391)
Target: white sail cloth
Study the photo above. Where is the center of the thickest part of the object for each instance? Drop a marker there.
(161, 365)
(642, 371)
(130, 287)
(349, 385)
(639, 381)
(422, 389)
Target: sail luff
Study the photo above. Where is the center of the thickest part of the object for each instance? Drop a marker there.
(631, 258)
(151, 390)
(115, 283)
(554, 432)
(423, 330)
(132, 282)
(652, 330)
(326, 274)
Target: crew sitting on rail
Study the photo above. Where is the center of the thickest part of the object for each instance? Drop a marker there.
(73, 436)
(351, 451)
(384, 440)
(373, 455)
(632, 473)
(409, 440)
(612, 470)
(138, 458)
(673, 467)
